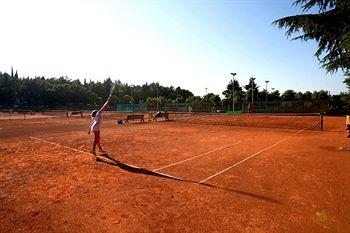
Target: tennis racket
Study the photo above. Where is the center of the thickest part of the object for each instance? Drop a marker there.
(112, 89)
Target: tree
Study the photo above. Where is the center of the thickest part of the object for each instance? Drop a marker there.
(182, 94)
(8, 89)
(32, 92)
(62, 92)
(339, 104)
(307, 95)
(288, 95)
(319, 95)
(346, 97)
(195, 102)
(347, 81)
(299, 96)
(275, 95)
(212, 101)
(238, 92)
(262, 95)
(330, 28)
(126, 99)
(162, 101)
(151, 101)
(249, 89)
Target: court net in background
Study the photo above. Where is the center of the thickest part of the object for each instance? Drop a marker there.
(311, 121)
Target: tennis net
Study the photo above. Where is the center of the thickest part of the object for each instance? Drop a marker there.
(310, 121)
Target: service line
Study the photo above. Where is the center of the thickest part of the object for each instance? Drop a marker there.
(252, 156)
(197, 156)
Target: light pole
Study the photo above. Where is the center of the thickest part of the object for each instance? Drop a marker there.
(252, 78)
(233, 91)
(266, 81)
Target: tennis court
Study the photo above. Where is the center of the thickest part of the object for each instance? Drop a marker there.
(185, 176)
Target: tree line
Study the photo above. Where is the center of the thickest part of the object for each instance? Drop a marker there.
(63, 92)
(251, 93)
(67, 93)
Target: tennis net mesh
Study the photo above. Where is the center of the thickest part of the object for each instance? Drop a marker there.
(310, 121)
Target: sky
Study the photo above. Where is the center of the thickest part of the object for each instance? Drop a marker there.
(188, 43)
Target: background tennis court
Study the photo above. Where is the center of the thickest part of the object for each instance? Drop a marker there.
(295, 180)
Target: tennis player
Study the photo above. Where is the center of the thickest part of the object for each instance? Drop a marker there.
(95, 127)
(250, 108)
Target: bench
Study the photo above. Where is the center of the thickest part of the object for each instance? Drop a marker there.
(134, 117)
(71, 113)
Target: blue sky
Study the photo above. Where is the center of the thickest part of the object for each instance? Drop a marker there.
(191, 44)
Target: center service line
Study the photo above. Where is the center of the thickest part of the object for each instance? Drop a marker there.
(257, 153)
(197, 156)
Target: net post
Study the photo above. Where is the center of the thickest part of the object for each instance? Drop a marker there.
(321, 120)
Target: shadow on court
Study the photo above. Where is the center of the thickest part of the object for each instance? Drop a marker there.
(133, 169)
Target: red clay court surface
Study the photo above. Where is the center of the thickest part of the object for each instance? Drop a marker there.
(237, 179)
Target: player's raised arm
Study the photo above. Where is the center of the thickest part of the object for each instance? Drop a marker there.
(105, 105)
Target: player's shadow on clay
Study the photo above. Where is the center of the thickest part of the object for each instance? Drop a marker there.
(113, 162)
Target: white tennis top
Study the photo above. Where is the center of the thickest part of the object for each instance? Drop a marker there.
(96, 122)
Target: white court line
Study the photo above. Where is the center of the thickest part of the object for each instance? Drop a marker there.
(56, 144)
(84, 152)
(197, 156)
(257, 153)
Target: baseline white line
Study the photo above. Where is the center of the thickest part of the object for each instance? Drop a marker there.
(56, 144)
(84, 152)
(197, 156)
(257, 153)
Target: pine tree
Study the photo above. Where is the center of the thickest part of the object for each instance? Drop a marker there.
(330, 28)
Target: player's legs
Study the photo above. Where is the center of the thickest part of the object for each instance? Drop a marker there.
(96, 141)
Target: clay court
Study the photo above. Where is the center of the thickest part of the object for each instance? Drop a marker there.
(185, 177)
